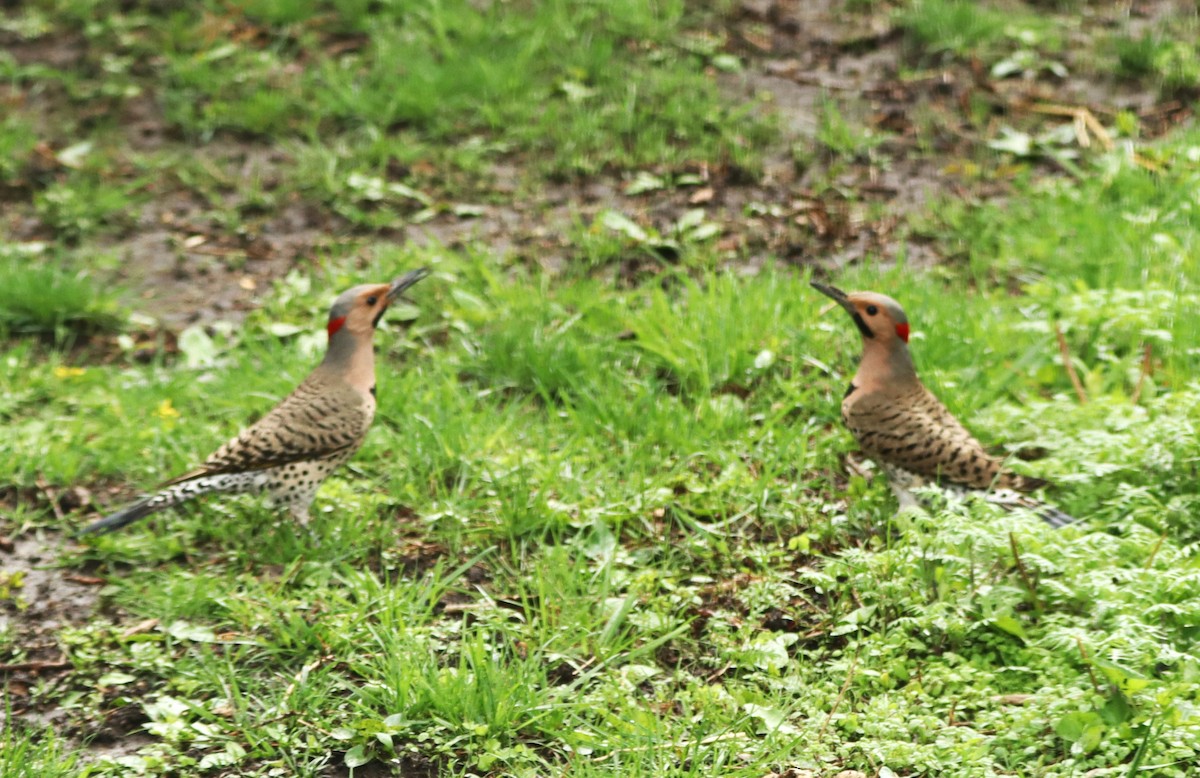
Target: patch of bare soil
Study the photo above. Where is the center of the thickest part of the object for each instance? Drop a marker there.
(802, 54)
(39, 599)
(409, 767)
(814, 204)
(188, 268)
(810, 53)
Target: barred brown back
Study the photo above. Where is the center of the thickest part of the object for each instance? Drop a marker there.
(320, 419)
(914, 431)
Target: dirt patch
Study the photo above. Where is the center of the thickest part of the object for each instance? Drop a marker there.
(813, 204)
(408, 766)
(51, 596)
(39, 599)
(187, 269)
(62, 51)
(835, 206)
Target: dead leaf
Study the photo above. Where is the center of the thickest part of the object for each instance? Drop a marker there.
(140, 627)
(86, 580)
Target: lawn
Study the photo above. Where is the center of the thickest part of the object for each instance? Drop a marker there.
(607, 521)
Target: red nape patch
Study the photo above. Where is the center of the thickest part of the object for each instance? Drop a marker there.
(335, 325)
(902, 331)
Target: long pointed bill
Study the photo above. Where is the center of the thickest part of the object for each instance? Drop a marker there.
(405, 281)
(843, 299)
(838, 296)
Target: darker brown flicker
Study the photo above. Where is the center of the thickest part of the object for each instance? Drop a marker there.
(907, 431)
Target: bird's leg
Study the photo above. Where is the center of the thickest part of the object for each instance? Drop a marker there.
(906, 498)
(299, 511)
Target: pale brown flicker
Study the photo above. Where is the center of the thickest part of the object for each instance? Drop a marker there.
(290, 451)
(907, 431)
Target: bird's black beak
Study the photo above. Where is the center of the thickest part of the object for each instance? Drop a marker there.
(843, 299)
(837, 295)
(405, 281)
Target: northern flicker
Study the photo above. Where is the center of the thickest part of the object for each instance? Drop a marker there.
(290, 451)
(907, 431)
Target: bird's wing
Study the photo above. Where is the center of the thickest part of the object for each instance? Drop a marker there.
(314, 422)
(917, 433)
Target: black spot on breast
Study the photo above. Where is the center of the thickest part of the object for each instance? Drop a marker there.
(849, 391)
(372, 390)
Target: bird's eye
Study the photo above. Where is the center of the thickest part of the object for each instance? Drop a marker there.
(372, 300)
(872, 310)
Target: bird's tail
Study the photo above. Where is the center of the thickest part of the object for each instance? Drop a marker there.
(127, 515)
(1053, 516)
(1010, 500)
(176, 491)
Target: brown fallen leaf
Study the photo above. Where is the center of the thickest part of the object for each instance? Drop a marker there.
(86, 580)
(35, 667)
(140, 627)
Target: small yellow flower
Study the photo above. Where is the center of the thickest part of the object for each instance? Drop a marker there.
(62, 371)
(166, 411)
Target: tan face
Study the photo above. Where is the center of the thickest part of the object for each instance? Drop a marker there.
(878, 317)
(359, 310)
(367, 309)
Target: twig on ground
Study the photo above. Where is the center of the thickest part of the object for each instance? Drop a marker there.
(85, 580)
(1154, 551)
(1085, 123)
(1147, 367)
(1087, 660)
(1026, 578)
(841, 694)
(51, 495)
(36, 667)
(1070, 366)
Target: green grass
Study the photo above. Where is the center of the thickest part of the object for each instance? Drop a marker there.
(42, 753)
(585, 86)
(83, 205)
(1111, 258)
(614, 521)
(1168, 56)
(43, 294)
(603, 523)
(17, 139)
(963, 28)
(385, 112)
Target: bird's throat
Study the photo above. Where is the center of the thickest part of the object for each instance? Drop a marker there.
(352, 356)
(885, 365)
